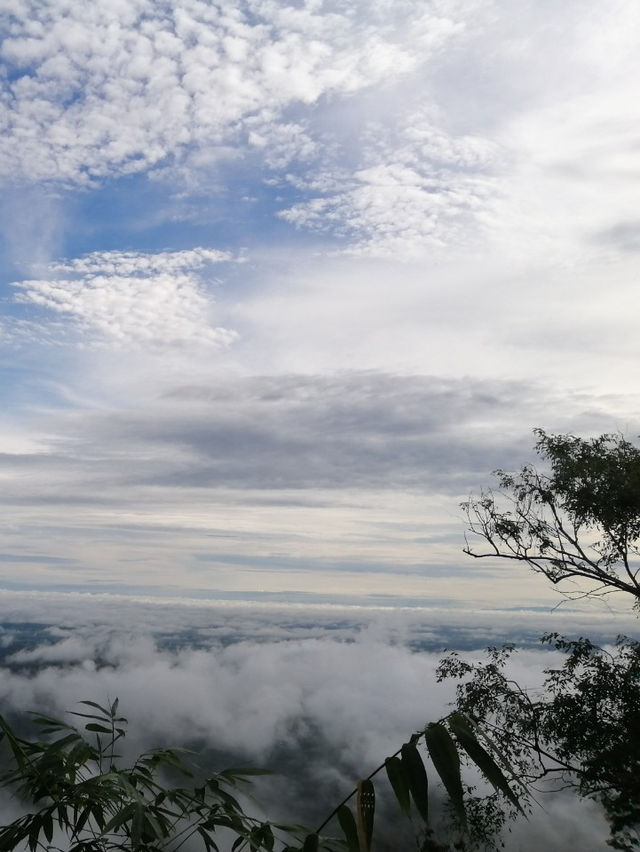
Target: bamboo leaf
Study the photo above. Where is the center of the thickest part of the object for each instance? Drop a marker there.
(152, 823)
(416, 776)
(100, 718)
(349, 828)
(58, 745)
(365, 810)
(47, 825)
(208, 842)
(481, 757)
(311, 843)
(49, 722)
(137, 825)
(34, 831)
(120, 819)
(446, 760)
(399, 784)
(100, 729)
(15, 744)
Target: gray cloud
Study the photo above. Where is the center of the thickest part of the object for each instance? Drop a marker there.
(625, 237)
(293, 487)
(355, 430)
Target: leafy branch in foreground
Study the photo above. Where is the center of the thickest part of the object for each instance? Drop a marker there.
(83, 800)
(449, 742)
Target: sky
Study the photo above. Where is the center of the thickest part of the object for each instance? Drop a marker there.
(281, 283)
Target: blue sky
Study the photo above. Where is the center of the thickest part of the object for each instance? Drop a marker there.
(282, 282)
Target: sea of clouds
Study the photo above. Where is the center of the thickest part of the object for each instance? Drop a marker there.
(320, 694)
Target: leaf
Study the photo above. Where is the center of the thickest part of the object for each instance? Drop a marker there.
(446, 760)
(208, 842)
(289, 827)
(15, 744)
(81, 820)
(152, 823)
(416, 776)
(47, 825)
(119, 819)
(365, 810)
(349, 828)
(311, 843)
(100, 729)
(49, 722)
(58, 745)
(481, 757)
(399, 784)
(262, 837)
(34, 831)
(97, 812)
(137, 824)
(80, 753)
(100, 718)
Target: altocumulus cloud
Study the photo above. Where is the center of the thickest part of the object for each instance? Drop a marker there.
(95, 91)
(128, 299)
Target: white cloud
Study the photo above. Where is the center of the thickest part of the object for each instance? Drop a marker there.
(413, 189)
(137, 263)
(95, 92)
(406, 127)
(321, 689)
(130, 299)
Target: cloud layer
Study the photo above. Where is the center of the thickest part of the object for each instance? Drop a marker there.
(273, 484)
(306, 691)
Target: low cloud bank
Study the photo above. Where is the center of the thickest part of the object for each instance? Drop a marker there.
(321, 696)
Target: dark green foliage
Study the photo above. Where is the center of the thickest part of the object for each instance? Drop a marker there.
(77, 795)
(396, 773)
(416, 776)
(310, 843)
(444, 754)
(349, 828)
(466, 737)
(581, 730)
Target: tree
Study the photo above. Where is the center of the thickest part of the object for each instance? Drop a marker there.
(579, 521)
